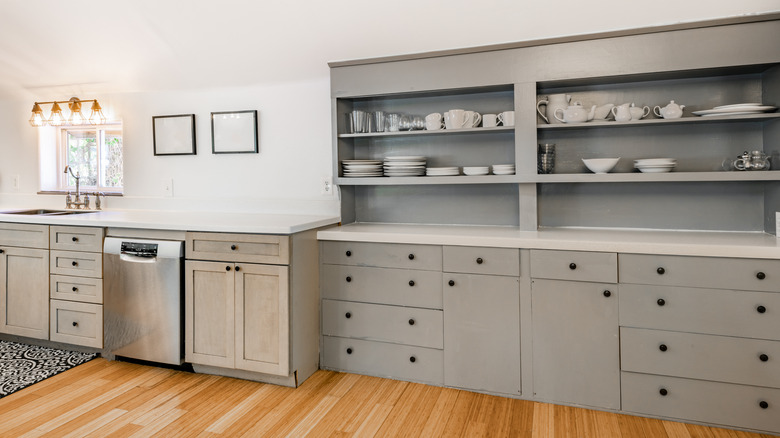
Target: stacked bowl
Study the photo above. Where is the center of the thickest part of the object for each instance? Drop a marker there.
(655, 165)
(404, 166)
(361, 168)
(503, 169)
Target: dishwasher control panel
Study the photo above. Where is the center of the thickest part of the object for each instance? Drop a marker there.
(139, 249)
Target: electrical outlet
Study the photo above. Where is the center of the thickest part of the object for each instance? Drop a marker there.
(168, 187)
(17, 182)
(327, 186)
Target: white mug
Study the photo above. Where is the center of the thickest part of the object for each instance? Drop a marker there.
(455, 119)
(472, 119)
(489, 120)
(507, 118)
(433, 122)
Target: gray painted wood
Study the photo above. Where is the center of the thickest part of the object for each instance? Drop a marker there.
(575, 343)
(76, 263)
(699, 400)
(76, 238)
(400, 287)
(482, 333)
(574, 265)
(481, 260)
(24, 292)
(385, 255)
(77, 323)
(84, 289)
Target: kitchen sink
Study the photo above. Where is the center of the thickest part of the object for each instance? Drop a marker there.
(46, 212)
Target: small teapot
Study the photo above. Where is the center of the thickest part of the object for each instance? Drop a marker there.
(670, 111)
(622, 113)
(756, 160)
(639, 112)
(575, 113)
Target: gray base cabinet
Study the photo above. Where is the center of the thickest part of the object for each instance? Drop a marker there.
(24, 292)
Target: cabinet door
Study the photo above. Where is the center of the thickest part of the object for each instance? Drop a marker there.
(262, 324)
(24, 292)
(482, 332)
(575, 343)
(209, 319)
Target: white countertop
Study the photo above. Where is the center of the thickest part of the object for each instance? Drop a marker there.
(692, 243)
(182, 221)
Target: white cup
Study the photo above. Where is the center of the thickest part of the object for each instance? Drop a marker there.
(433, 122)
(489, 120)
(472, 119)
(455, 119)
(507, 118)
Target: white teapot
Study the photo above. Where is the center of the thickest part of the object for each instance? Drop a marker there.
(622, 113)
(671, 111)
(575, 113)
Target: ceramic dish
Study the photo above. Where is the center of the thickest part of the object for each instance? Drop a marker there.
(735, 110)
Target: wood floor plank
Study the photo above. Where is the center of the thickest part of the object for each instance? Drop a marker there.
(354, 403)
(544, 421)
(437, 420)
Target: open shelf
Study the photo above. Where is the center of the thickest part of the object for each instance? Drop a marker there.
(424, 132)
(648, 122)
(658, 177)
(429, 180)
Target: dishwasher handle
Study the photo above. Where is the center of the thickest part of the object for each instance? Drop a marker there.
(137, 258)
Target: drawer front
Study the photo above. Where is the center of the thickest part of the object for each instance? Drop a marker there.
(699, 400)
(76, 238)
(247, 248)
(83, 289)
(478, 260)
(714, 311)
(79, 264)
(77, 323)
(384, 255)
(599, 267)
(402, 287)
(714, 272)
(384, 360)
(24, 235)
(706, 357)
(403, 325)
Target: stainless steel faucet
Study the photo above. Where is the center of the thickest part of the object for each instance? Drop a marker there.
(77, 202)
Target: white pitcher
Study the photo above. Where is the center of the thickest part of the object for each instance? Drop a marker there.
(552, 103)
(622, 113)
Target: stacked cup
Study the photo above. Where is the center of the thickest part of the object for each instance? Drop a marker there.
(546, 158)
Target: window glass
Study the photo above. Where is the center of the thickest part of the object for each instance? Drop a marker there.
(111, 159)
(94, 153)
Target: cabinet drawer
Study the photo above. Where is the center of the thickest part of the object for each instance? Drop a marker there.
(714, 311)
(707, 357)
(77, 323)
(247, 248)
(722, 273)
(403, 325)
(574, 265)
(478, 260)
(79, 264)
(402, 287)
(76, 238)
(384, 360)
(83, 289)
(385, 255)
(24, 235)
(699, 400)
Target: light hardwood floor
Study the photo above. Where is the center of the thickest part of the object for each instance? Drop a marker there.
(118, 399)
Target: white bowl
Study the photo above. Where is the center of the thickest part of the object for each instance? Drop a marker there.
(600, 165)
(655, 161)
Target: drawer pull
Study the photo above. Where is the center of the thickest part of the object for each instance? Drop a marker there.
(349, 351)
(763, 357)
(349, 253)
(761, 276)
(238, 268)
(411, 282)
(411, 256)
(607, 293)
(233, 247)
(763, 404)
(75, 289)
(663, 392)
(661, 302)
(660, 271)
(411, 321)
(451, 283)
(227, 268)
(663, 347)
(2, 251)
(348, 315)
(412, 359)
(74, 263)
(479, 260)
(74, 238)
(75, 324)
(572, 266)
(349, 279)
(761, 309)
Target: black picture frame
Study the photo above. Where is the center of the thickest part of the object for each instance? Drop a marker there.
(174, 135)
(234, 132)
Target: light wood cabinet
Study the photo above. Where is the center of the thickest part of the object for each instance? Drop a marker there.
(24, 292)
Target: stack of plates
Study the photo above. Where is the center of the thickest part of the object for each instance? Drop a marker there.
(442, 171)
(655, 165)
(736, 110)
(404, 166)
(476, 170)
(503, 169)
(361, 168)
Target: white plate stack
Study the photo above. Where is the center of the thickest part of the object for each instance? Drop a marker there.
(737, 109)
(476, 170)
(361, 168)
(503, 169)
(404, 166)
(655, 165)
(442, 171)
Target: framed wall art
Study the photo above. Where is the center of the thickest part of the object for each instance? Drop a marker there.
(234, 132)
(174, 135)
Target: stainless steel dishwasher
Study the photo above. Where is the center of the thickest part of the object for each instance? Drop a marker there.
(142, 302)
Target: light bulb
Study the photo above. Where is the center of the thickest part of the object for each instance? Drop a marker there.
(56, 118)
(76, 116)
(97, 117)
(37, 118)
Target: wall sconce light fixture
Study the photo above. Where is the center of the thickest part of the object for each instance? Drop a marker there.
(56, 118)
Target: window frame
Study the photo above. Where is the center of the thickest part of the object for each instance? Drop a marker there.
(62, 154)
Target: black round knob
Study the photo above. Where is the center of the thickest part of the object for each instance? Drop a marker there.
(763, 404)
(660, 271)
(661, 301)
(412, 359)
(74, 263)
(227, 268)
(411, 256)
(663, 347)
(411, 282)
(348, 315)
(572, 266)
(761, 276)
(238, 268)
(761, 309)
(411, 321)
(75, 324)
(75, 289)
(763, 357)
(349, 279)
(663, 392)
(2, 251)
(75, 239)
(479, 260)
(451, 283)
(349, 351)
(233, 247)
(607, 293)
(349, 253)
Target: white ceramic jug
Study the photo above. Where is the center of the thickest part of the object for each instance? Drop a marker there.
(622, 113)
(552, 103)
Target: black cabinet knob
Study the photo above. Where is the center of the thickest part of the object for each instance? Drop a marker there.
(2, 251)
(349, 253)
(661, 302)
(74, 263)
(663, 347)
(349, 351)
(75, 289)
(75, 239)
(75, 324)
(760, 275)
(763, 357)
(411, 321)
(479, 260)
(451, 283)
(572, 266)
(238, 268)
(761, 309)
(663, 392)
(607, 293)
(348, 315)
(412, 359)
(233, 247)
(227, 268)
(763, 404)
(349, 279)
(411, 256)
(411, 282)
(660, 271)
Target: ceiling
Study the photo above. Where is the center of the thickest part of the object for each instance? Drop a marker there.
(60, 48)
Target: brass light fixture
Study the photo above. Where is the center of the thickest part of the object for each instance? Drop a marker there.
(56, 118)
